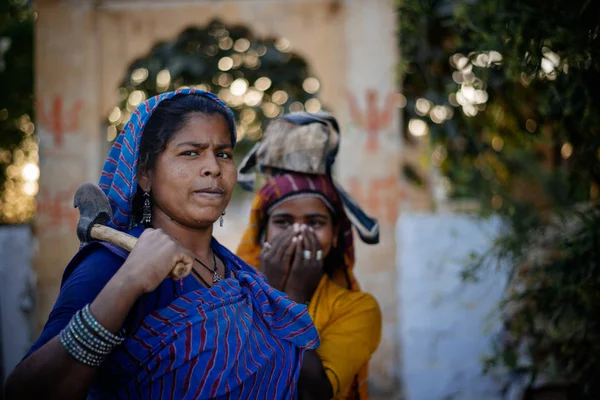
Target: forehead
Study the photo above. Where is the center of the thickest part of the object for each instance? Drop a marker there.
(301, 206)
(203, 127)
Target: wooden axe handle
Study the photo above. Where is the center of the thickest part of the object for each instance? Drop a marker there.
(125, 241)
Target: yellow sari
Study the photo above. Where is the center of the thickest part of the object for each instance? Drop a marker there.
(349, 324)
(348, 320)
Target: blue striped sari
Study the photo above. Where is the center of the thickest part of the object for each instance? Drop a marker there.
(240, 339)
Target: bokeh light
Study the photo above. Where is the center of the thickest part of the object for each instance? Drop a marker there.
(471, 95)
(418, 127)
(139, 75)
(239, 87)
(566, 150)
(225, 63)
(262, 83)
(17, 197)
(259, 79)
(311, 85)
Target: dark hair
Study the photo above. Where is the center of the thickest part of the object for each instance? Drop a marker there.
(169, 117)
(165, 121)
(335, 258)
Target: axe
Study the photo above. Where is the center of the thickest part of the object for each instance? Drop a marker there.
(94, 214)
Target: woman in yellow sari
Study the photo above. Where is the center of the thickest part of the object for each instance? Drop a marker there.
(300, 237)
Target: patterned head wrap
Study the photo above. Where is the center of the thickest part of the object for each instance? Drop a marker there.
(288, 185)
(308, 144)
(119, 175)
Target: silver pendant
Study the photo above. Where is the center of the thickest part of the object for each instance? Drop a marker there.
(216, 277)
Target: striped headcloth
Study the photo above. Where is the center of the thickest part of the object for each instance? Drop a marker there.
(119, 175)
(290, 185)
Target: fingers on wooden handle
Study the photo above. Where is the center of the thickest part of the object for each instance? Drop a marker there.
(180, 271)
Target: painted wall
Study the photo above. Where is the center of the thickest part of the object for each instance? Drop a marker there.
(83, 49)
(446, 326)
(17, 294)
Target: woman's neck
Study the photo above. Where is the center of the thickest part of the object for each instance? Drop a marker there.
(196, 240)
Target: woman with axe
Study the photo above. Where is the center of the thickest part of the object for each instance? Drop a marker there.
(120, 327)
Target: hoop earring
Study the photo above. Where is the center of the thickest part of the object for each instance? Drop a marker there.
(147, 210)
(221, 221)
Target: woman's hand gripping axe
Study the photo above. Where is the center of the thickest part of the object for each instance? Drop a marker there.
(95, 213)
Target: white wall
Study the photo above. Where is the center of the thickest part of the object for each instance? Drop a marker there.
(16, 290)
(442, 319)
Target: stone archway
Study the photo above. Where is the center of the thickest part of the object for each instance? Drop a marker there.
(258, 78)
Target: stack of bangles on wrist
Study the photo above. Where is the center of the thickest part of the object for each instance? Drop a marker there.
(86, 340)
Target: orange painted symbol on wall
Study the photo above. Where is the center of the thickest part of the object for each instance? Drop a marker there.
(58, 119)
(55, 211)
(380, 197)
(373, 119)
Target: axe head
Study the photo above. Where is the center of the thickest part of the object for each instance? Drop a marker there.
(94, 208)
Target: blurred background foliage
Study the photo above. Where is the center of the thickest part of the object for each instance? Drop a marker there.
(18, 147)
(259, 79)
(507, 94)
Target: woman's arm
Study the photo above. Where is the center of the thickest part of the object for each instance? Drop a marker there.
(50, 372)
(313, 383)
(349, 339)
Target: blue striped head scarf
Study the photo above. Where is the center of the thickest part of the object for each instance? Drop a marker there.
(119, 175)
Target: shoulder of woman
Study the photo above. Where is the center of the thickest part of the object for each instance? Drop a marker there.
(355, 314)
(357, 301)
(95, 260)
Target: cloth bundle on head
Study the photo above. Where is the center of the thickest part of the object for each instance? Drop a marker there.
(308, 144)
(282, 187)
(300, 142)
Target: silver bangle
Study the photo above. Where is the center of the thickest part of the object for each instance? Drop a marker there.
(86, 340)
(77, 352)
(95, 342)
(98, 329)
(83, 337)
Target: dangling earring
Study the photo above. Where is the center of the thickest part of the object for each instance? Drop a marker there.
(221, 221)
(146, 210)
